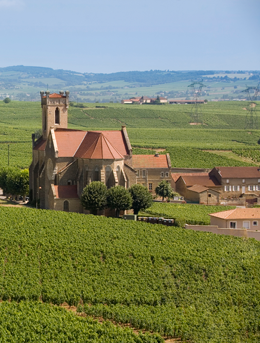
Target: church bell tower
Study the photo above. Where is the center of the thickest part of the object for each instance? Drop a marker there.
(54, 111)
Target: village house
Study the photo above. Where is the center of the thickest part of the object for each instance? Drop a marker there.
(66, 160)
(237, 183)
(152, 169)
(238, 218)
(143, 100)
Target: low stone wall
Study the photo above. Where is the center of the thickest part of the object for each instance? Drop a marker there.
(223, 231)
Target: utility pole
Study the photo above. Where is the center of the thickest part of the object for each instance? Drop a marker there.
(8, 154)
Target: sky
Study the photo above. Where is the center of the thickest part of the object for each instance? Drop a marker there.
(104, 36)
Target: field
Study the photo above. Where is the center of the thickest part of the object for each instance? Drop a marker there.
(172, 282)
(184, 213)
(149, 126)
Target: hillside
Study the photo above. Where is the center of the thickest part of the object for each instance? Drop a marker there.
(25, 82)
(179, 283)
(220, 140)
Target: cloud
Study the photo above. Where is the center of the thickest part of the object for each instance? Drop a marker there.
(10, 3)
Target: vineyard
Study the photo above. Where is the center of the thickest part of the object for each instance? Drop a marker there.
(172, 282)
(166, 127)
(184, 213)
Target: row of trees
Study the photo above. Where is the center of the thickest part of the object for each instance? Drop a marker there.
(96, 196)
(14, 181)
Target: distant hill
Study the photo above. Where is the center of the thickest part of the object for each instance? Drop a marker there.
(25, 82)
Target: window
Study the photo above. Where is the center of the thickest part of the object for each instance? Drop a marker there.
(166, 174)
(255, 223)
(227, 188)
(209, 195)
(233, 225)
(150, 186)
(227, 181)
(144, 173)
(66, 206)
(162, 174)
(235, 188)
(69, 182)
(138, 173)
(258, 181)
(57, 116)
(243, 181)
(250, 188)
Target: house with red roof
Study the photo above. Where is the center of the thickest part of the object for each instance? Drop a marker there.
(238, 218)
(66, 160)
(152, 169)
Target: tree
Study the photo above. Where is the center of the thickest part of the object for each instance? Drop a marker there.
(14, 181)
(7, 100)
(94, 197)
(164, 189)
(142, 199)
(119, 198)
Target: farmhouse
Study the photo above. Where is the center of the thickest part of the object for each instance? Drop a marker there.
(66, 160)
(220, 183)
(143, 100)
(238, 218)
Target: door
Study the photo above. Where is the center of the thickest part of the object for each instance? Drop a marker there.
(243, 189)
(246, 225)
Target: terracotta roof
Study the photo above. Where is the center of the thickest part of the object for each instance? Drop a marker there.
(198, 188)
(91, 144)
(68, 141)
(238, 213)
(116, 138)
(55, 95)
(96, 146)
(204, 180)
(65, 192)
(135, 100)
(239, 172)
(175, 176)
(149, 161)
(40, 144)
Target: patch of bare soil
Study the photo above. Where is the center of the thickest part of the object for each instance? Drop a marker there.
(195, 123)
(101, 319)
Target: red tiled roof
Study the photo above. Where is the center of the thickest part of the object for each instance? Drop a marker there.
(96, 146)
(116, 138)
(40, 145)
(239, 172)
(55, 96)
(205, 181)
(238, 213)
(65, 192)
(175, 176)
(149, 161)
(91, 144)
(198, 188)
(68, 141)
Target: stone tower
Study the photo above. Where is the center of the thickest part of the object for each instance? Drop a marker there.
(54, 111)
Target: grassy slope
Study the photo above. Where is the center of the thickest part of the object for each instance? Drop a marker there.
(148, 126)
(198, 286)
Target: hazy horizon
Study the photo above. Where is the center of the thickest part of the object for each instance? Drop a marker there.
(102, 37)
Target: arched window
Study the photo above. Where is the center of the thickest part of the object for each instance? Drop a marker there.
(66, 206)
(57, 116)
(96, 174)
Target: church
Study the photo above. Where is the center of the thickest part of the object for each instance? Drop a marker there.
(66, 160)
